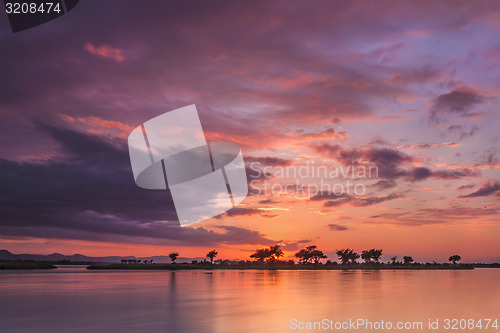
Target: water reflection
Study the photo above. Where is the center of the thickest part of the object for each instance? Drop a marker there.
(76, 300)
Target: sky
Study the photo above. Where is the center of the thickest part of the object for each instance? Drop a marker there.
(409, 89)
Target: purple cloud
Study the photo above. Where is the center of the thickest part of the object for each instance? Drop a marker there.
(485, 190)
(337, 227)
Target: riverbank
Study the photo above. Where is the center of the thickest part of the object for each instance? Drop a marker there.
(25, 265)
(277, 266)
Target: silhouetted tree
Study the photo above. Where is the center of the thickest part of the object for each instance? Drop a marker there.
(455, 258)
(346, 255)
(274, 253)
(211, 255)
(260, 255)
(304, 255)
(393, 259)
(376, 255)
(354, 256)
(173, 256)
(123, 261)
(270, 254)
(343, 256)
(310, 254)
(367, 256)
(407, 260)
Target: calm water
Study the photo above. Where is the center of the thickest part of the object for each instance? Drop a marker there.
(72, 299)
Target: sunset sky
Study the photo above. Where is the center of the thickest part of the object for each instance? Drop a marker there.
(411, 88)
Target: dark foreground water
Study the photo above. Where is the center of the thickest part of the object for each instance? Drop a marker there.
(72, 299)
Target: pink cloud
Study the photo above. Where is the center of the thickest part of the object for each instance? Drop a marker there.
(435, 216)
(99, 122)
(106, 51)
(427, 145)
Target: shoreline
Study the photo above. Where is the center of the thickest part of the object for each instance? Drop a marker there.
(19, 265)
(175, 267)
(34, 265)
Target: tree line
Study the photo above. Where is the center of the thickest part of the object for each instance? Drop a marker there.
(309, 255)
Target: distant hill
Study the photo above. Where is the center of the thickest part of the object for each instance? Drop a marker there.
(7, 255)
